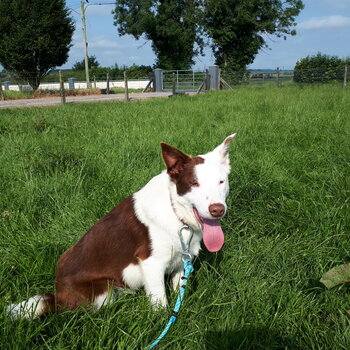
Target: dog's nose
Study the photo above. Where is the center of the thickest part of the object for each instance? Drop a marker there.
(216, 209)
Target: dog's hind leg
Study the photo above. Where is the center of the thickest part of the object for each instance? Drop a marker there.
(153, 273)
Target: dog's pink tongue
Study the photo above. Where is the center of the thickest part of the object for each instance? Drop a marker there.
(213, 236)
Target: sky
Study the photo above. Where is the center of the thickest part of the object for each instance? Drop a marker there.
(323, 26)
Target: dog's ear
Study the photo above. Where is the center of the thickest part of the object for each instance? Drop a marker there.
(223, 148)
(174, 160)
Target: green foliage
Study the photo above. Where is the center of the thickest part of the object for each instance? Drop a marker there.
(236, 27)
(142, 71)
(80, 65)
(116, 72)
(172, 26)
(288, 221)
(319, 69)
(100, 73)
(35, 37)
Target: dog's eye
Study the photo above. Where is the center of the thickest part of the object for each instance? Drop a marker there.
(221, 182)
(195, 183)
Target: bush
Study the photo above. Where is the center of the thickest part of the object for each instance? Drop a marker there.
(319, 69)
(100, 73)
(235, 77)
(137, 72)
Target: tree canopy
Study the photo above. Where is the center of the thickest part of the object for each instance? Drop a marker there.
(178, 29)
(173, 26)
(238, 28)
(35, 37)
(80, 65)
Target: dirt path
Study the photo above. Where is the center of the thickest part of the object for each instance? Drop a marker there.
(48, 101)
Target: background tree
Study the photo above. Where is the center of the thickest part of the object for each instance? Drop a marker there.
(173, 26)
(237, 28)
(35, 37)
(319, 69)
(80, 65)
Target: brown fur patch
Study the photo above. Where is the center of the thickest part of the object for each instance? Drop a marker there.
(98, 259)
(180, 167)
(187, 178)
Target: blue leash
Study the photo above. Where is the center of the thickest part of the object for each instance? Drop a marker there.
(188, 269)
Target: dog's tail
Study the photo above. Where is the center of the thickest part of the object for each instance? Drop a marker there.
(35, 306)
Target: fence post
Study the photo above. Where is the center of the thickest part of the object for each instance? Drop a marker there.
(345, 76)
(95, 82)
(6, 85)
(157, 82)
(126, 87)
(62, 92)
(2, 96)
(174, 84)
(278, 77)
(214, 72)
(207, 80)
(107, 84)
(71, 83)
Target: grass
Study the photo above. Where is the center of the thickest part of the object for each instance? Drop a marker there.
(15, 95)
(64, 167)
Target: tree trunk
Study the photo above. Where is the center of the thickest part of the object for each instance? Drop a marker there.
(34, 82)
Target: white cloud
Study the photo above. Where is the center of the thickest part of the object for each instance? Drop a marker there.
(337, 4)
(102, 10)
(334, 21)
(136, 58)
(96, 42)
(106, 53)
(99, 42)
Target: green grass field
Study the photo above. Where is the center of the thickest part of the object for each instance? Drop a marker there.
(64, 167)
(16, 95)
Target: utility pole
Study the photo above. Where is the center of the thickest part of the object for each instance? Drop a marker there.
(85, 44)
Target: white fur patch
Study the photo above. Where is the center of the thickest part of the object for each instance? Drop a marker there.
(132, 276)
(101, 300)
(33, 307)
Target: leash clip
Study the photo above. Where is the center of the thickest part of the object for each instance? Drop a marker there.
(186, 255)
(188, 269)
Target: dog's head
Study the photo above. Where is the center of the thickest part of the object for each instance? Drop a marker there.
(202, 184)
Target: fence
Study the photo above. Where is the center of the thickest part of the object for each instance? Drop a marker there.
(183, 80)
(186, 80)
(15, 84)
(280, 77)
(74, 87)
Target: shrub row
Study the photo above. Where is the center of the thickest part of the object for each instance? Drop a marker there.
(320, 69)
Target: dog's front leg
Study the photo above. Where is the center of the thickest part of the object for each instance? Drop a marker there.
(153, 273)
(176, 278)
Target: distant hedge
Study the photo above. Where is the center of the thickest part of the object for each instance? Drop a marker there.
(320, 69)
(98, 73)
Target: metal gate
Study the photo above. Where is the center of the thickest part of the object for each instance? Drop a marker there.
(182, 80)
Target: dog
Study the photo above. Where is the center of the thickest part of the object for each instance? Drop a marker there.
(136, 244)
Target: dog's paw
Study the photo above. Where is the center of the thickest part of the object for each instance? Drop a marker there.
(158, 302)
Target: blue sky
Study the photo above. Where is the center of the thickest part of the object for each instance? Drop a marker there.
(323, 26)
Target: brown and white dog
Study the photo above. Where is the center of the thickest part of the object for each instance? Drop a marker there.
(136, 244)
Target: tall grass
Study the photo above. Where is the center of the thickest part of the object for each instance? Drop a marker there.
(64, 167)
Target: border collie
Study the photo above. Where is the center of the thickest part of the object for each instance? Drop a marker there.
(136, 244)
